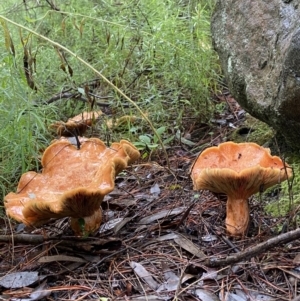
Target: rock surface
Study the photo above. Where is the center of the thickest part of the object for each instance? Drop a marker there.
(258, 43)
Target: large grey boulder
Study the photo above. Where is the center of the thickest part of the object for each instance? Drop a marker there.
(258, 42)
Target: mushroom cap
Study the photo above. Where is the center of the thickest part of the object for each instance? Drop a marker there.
(238, 169)
(77, 124)
(73, 181)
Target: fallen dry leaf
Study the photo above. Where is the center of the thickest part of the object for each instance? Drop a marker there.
(141, 272)
(161, 214)
(189, 246)
(171, 282)
(20, 279)
(46, 259)
(205, 295)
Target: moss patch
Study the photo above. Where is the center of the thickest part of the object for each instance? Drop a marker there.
(253, 130)
(285, 202)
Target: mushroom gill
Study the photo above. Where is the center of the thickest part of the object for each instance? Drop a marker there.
(239, 170)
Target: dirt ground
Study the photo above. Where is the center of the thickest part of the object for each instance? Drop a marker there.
(160, 240)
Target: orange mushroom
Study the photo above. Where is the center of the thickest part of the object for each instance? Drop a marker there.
(73, 183)
(239, 170)
(76, 126)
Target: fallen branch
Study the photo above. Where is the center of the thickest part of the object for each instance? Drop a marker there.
(253, 251)
(85, 243)
(23, 238)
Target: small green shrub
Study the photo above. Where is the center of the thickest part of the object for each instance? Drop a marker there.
(147, 143)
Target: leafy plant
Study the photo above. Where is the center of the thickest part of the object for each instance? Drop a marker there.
(148, 143)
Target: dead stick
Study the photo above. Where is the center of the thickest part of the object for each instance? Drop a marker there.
(38, 239)
(65, 241)
(23, 238)
(75, 96)
(253, 251)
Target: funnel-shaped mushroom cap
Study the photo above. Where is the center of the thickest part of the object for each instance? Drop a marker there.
(238, 170)
(76, 125)
(73, 181)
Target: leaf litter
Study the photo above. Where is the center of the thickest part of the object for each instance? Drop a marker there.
(155, 241)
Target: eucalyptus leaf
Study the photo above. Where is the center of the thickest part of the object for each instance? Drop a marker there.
(19, 279)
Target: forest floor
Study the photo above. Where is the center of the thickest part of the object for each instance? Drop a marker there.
(160, 240)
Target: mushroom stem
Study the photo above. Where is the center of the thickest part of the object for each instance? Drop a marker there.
(86, 225)
(237, 216)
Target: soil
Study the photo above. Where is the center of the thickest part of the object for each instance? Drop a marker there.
(156, 238)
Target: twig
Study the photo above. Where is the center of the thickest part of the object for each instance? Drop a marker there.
(23, 238)
(72, 241)
(186, 213)
(253, 251)
(230, 244)
(78, 96)
(52, 5)
(225, 239)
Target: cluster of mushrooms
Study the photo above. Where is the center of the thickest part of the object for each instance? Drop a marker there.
(77, 175)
